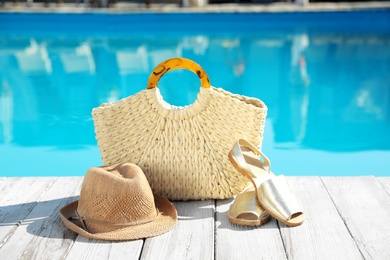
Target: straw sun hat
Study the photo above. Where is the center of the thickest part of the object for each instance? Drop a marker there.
(117, 203)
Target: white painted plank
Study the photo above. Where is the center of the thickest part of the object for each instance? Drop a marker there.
(365, 208)
(126, 250)
(243, 242)
(18, 198)
(86, 248)
(42, 234)
(191, 238)
(385, 182)
(323, 235)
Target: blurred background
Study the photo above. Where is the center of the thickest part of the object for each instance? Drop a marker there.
(324, 77)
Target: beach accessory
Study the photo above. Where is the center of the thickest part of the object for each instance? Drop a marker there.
(116, 203)
(273, 192)
(182, 150)
(246, 211)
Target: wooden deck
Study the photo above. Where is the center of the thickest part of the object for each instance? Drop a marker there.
(346, 218)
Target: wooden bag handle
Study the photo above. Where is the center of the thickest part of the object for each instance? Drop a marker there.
(177, 63)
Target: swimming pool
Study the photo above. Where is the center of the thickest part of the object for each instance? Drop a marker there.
(324, 77)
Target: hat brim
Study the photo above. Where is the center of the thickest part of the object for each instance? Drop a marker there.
(164, 222)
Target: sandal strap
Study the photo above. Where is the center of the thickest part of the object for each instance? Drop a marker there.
(246, 202)
(276, 196)
(238, 154)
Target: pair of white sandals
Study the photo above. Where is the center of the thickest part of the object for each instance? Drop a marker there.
(269, 195)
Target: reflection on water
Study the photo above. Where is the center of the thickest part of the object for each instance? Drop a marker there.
(325, 93)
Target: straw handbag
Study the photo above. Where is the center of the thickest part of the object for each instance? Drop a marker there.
(183, 151)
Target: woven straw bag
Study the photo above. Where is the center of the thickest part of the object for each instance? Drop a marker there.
(182, 150)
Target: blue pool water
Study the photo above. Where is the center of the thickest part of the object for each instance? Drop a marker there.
(324, 77)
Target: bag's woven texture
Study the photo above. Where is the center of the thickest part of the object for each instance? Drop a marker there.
(183, 151)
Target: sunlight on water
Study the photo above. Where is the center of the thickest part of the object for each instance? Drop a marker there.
(328, 95)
